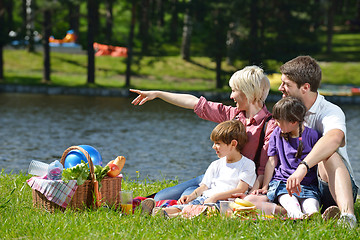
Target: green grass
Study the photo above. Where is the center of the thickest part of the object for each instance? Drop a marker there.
(21, 221)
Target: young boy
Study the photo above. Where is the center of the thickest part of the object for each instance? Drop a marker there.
(232, 173)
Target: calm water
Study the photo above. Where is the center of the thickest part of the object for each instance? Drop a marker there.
(158, 140)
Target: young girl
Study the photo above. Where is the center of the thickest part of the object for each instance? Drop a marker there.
(289, 144)
(232, 173)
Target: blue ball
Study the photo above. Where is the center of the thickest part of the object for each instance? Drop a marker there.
(74, 157)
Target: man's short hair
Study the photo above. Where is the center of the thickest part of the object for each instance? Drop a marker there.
(301, 70)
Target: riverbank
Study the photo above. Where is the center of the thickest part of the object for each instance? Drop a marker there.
(122, 92)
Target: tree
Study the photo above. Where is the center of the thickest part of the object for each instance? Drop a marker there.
(3, 37)
(6, 23)
(174, 20)
(91, 5)
(30, 8)
(144, 25)
(45, 40)
(332, 4)
(109, 20)
(255, 57)
(186, 34)
(46, 7)
(220, 18)
(74, 15)
(130, 44)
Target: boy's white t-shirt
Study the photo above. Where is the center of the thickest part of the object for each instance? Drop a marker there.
(222, 176)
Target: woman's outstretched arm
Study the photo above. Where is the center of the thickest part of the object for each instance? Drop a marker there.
(178, 99)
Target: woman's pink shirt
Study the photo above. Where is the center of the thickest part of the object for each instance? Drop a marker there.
(218, 112)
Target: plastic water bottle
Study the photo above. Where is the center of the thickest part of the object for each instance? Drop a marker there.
(55, 170)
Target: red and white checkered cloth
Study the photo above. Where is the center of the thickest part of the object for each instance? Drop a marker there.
(56, 191)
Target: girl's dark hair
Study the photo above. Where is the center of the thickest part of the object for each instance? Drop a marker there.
(291, 109)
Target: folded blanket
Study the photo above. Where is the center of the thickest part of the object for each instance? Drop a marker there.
(56, 191)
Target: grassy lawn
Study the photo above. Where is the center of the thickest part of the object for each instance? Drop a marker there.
(21, 221)
(341, 67)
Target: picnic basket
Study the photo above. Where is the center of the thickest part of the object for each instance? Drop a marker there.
(84, 194)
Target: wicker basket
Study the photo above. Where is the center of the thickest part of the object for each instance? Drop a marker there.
(83, 197)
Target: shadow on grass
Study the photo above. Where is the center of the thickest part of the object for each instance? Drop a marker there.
(341, 56)
(23, 80)
(345, 48)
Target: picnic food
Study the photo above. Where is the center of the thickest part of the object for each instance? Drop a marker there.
(119, 161)
(81, 173)
(241, 204)
(114, 170)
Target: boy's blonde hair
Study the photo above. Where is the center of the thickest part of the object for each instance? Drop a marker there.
(253, 82)
(228, 131)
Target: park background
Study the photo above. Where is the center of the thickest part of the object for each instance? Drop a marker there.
(172, 45)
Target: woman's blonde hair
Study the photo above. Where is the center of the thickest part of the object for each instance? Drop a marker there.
(253, 82)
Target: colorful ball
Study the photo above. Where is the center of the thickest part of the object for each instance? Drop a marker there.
(74, 157)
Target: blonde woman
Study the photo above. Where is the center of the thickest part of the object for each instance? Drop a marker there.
(249, 90)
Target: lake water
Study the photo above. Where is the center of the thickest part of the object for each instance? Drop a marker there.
(158, 140)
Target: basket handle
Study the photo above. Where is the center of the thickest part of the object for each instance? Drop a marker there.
(91, 165)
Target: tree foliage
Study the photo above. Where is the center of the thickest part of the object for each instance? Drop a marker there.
(252, 30)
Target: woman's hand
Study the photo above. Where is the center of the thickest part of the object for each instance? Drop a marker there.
(143, 97)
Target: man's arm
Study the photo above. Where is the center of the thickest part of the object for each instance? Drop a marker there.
(177, 99)
(325, 147)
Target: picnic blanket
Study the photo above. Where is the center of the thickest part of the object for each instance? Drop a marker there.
(56, 191)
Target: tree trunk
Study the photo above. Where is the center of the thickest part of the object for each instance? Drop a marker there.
(96, 17)
(186, 35)
(160, 13)
(30, 25)
(90, 39)
(74, 17)
(219, 83)
(46, 35)
(219, 46)
(254, 41)
(1, 62)
(330, 25)
(232, 43)
(174, 21)
(109, 20)
(144, 26)
(2, 38)
(130, 45)
(23, 18)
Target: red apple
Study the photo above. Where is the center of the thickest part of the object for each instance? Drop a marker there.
(114, 170)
